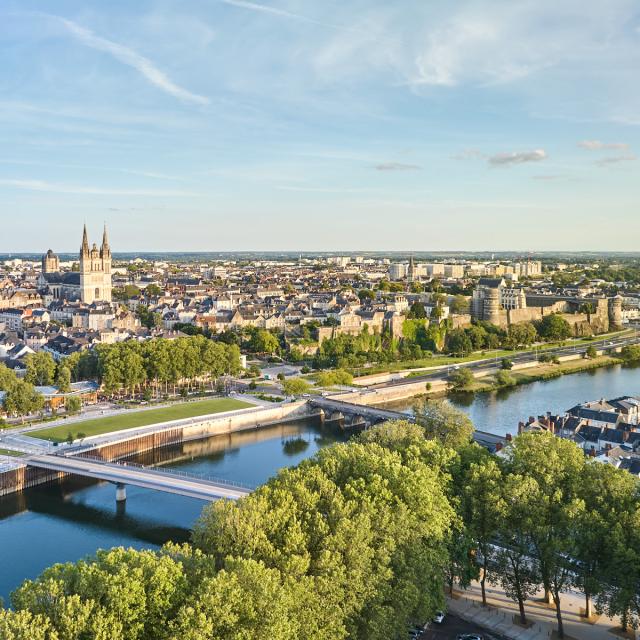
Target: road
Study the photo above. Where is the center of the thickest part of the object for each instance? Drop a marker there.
(490, 364)
(452, 626)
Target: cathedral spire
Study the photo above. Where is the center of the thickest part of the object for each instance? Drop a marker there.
(104, 249)
(85, 242)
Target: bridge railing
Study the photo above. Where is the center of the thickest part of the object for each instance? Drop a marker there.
(173, 472)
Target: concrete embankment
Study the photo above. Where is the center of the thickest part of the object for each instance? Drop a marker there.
(15, 474)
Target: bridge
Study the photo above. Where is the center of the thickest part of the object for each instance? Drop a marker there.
(362, 415)
(359, 415)
(124, 473)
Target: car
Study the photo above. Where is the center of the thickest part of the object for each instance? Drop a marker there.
(469, 636)
(439, 617)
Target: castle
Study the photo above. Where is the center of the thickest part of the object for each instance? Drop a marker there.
(503, 306)
(92, 283)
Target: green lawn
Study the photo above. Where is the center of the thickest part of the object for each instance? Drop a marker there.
(134, 419)
(9, 452)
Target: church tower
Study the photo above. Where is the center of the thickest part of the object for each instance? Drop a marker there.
(95, 270)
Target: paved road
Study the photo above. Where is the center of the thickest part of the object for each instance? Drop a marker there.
(160, 480)
(453, 626)
(490, 364)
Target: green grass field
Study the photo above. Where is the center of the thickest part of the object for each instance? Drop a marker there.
(10, 452)
(130, 420)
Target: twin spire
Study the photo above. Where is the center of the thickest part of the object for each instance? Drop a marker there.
(105, 250)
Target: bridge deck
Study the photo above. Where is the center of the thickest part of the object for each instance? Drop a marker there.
(191, 487)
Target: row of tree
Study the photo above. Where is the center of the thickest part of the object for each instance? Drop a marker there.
(131, 366)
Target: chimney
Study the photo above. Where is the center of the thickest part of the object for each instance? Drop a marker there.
(592, 452)
(498, 446)
(508, 437)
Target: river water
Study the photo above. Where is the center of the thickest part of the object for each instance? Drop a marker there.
(69, 520)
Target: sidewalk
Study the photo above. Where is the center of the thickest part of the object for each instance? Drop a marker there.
(498, 616)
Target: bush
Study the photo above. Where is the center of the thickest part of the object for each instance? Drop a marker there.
(507, 364)
(306, 369)
(631, 353)
(591, 353)
(505, 379)
(461, 378)
(295, 387)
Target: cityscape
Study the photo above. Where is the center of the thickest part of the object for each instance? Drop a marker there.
(319, 321)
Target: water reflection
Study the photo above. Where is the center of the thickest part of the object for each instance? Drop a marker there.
(72, 518)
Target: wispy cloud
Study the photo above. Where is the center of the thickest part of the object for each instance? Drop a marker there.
(131, 58)
(517, 157)
(275, 11)
(629, 157)
(53, 187)
(597, 145)
(396, 166)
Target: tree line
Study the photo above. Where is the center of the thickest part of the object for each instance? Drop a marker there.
(362, 540)
(155, 365)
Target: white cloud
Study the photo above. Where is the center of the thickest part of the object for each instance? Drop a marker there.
(52, 187)
(597, 145)
(517, 157)
(131, 58)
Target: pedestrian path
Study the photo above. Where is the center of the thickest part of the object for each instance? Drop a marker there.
(499, 615)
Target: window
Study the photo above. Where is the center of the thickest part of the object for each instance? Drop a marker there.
(97, 293)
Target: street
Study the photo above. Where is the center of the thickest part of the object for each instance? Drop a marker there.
(452, 626)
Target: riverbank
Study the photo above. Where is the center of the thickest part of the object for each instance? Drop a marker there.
(538, 373)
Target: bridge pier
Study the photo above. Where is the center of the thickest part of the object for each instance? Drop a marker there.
(121, 492)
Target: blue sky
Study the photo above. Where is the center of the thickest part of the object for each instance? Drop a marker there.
(304, 125)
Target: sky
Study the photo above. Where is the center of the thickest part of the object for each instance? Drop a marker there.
(414, 125)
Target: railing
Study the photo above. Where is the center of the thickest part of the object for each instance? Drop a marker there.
(173, 472)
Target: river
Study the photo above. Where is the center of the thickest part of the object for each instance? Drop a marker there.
(69, 520)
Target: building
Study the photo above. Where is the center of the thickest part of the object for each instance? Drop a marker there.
(92, 283)
(95, 270)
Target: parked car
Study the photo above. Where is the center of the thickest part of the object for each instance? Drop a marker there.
(468, 636)
(439, 617)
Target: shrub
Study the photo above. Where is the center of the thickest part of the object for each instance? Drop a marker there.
(505, 379)
(461, 378)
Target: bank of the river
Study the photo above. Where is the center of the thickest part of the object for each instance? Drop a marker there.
(542, 371)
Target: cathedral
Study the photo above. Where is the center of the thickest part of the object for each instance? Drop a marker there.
(92, 283)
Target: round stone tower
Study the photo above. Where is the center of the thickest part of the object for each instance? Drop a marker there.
(491, 312)
(615, 312)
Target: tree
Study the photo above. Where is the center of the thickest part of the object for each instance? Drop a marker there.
(72, 404)
(295, 387)
(610, 496)
(459, 304)
(484, 508)
(263, 341)
(417, 311)
(22, 399)
(513, 567)
(521, 334)
(8, 378)
(506, 364)
(458, 342)
(41, 368)
(442, 421)
(63, 379)
(461, 378)
(630, 353)
(554, 327)
(555, 468)
(591, 353)
(152, 291)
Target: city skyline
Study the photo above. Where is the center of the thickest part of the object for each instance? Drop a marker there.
(282, 126)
